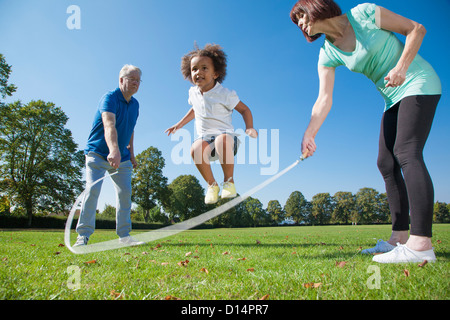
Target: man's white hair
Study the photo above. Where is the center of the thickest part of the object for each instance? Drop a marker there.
(126, 69)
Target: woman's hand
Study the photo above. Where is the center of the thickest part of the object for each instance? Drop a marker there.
(308, 146)
(395, 78)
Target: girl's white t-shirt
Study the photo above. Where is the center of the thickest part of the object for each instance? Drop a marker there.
(213, 109)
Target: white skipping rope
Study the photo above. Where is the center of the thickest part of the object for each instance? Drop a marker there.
(166, 231)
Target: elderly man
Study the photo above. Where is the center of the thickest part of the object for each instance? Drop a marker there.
(110, 148)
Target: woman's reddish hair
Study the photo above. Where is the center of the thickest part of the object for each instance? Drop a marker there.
(315, 10)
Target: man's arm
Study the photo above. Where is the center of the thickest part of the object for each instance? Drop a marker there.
(109, 123)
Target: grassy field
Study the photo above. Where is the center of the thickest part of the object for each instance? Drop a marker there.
(282, 263)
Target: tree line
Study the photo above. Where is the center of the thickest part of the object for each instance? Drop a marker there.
(41, 173)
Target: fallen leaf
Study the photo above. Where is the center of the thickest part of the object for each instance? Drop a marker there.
(423, 263)
(61, 245)
(115, 294)
(145, 252)
(171, 298)
(91, 262)
(341, 264)
(57, 252)
(251, 269)
(258, 242)
(164, 263)
(183, 263)
(241, 259)
(312, 285)
(406, 272)
(204, 270)
(226, 252)
(264, 297)
(341, 248)
(188, 254)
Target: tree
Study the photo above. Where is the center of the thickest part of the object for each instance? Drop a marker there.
(383, 214)
(187, 198)
(321, 208)
(40, 168)
(441, 212)
(149, 185)
(4, 205)
(109, 211)
(367, 205)
(254, 208)
(5, 70)
(344, 207)
(297, 207)
(275, 211)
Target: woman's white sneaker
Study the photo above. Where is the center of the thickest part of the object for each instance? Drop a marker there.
(403, 254)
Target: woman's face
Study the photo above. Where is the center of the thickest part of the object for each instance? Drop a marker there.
(305, 24)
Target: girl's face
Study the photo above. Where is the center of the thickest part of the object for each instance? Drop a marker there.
(202, 73)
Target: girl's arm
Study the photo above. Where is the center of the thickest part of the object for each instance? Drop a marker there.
(414, 33)
(320, 109)
(248, 119)
(190, 115)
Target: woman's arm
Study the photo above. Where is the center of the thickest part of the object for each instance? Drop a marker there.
(320, 110)
(414, 32)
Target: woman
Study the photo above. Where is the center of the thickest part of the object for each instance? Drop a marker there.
(363, 40)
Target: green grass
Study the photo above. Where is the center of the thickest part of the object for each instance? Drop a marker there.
(278, 262)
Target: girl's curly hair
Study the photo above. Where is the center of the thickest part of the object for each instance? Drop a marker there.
(215, 52)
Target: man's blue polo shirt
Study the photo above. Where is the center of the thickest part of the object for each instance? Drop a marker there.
(126, 117)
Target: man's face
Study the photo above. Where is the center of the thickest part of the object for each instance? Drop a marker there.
(130, 83)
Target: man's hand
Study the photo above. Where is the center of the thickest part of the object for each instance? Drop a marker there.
(114, 159)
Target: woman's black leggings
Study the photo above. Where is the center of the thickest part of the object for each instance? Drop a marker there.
(404, 131)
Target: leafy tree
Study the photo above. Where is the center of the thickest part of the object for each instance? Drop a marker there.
(321, 208)
(441, 212)
(367, 205)
(40, 168)
(149, 185)
(275, 211)
(234, 217)
(344, 207)
(297, 207)
(5, 70)
(383, 214)
(4, 205)
(254, 208)
(109, 211)
(187, 197)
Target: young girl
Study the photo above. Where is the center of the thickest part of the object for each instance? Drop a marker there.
(212, 106)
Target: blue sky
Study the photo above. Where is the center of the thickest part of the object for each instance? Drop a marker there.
(270, 65)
